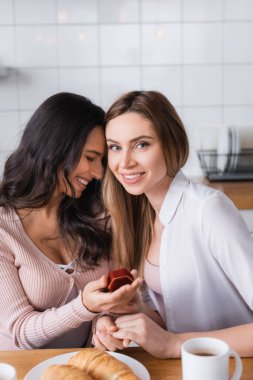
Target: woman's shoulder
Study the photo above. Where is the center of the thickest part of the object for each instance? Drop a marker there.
(213, 205)
(192, 191)
(199, 198)
(203, 193)
(7, 212)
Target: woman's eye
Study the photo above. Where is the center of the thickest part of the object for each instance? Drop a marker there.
(113, 147)
(90, 158)
(142, 145)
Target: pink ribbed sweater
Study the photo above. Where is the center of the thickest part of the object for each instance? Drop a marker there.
(34, 290)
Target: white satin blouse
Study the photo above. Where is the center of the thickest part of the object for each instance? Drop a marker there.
(206, 260)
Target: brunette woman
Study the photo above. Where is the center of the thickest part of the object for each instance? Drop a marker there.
(54, 239)
(188, 240)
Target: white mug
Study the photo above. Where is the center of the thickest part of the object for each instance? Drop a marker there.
(208, 359)
(7, 372)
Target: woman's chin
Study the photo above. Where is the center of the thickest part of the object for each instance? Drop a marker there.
(133, 190)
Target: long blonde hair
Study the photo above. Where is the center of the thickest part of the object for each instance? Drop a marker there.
(132, 217)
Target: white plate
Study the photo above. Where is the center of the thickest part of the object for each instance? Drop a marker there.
(231, 135)
(224, 149)
(236, 147)
(36, 372)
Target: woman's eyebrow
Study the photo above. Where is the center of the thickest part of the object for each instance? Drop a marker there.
(94, 151)
(133, 140)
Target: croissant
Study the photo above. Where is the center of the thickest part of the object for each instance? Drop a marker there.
(101, 366)
(64, 372)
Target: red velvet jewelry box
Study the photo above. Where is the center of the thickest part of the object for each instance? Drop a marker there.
(118, 278)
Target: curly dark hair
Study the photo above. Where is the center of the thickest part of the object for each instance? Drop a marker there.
(53, 138)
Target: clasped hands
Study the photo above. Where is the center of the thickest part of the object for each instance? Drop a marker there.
(133, 324)
(125, 300)
(139, 328)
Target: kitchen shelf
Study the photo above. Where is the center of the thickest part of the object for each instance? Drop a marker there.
(227, 167)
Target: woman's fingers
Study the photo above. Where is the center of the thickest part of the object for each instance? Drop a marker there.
(126, 335)
(109, 341)
(125, 309)
(96, 342)
(103, 338)
(96, 300)
(111, 329)
(125, 320)
(127, 290)
(99, 284)
(146, 333)
(132, 327)
(134, 273)
(126, 293)
(104, 341)
(121, 298)
(105, 323)
(126, 342)
(137, 282)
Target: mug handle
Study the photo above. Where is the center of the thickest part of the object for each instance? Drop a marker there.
(238, 365)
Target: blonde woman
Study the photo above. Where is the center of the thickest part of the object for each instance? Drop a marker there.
(188, 240)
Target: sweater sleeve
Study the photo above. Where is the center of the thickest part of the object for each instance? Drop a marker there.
(28, 327)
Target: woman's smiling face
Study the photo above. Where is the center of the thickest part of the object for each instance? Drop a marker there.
(135, 155)
(89, 167)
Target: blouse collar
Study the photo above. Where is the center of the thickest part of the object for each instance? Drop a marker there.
(173, 197)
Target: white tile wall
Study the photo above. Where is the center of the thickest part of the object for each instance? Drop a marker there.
(160, 10)
(238, 84)
(76, 12)
(202, 43)
(83, 81)
(24, 117)
(113, 82)
(202, 85)
(202, 116)
(238, 42)
(119, 45)
(118, 11)
(35, 12)
(36, 46)
(9, 131)
(240, 115)
(8, 93)
(202, 10)
(197, 52)
(161, 44)
(6, 12)
(77, 45)
(3, 157)
(7, 46)
(35, 85)
(167, 79)
(238, 10)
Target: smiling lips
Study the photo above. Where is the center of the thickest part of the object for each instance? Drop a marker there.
(132, 178)
(82, 182)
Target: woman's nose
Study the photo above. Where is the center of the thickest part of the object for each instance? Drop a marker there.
(126, 159)
(98, 171)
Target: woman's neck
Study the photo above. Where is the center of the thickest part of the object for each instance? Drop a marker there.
(157, 194)
(50, 211)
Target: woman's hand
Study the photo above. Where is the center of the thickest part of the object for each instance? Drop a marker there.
(103, 338)
(146, 333)
(121, 301)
